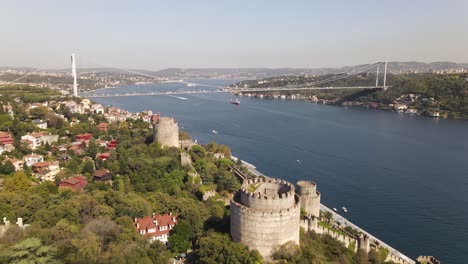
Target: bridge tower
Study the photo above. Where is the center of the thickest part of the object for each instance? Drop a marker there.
(385, 77)
(377, 76)
(75, 84)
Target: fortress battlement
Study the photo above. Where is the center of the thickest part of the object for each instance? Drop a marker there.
(267, 194)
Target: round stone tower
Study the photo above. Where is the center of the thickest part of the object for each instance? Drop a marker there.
(264, 214)
(167, 132)
(309, 197)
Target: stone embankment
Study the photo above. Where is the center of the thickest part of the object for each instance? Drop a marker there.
(393, 255)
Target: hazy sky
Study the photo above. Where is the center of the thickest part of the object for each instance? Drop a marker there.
(154, 34)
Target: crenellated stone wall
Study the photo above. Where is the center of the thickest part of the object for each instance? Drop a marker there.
(309, 198)
(311, 224)
(265, 215)
(267, 194)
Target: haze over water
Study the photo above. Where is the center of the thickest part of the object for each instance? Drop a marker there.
(403, 178)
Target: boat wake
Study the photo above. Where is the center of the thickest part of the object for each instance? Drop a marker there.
(179, 97)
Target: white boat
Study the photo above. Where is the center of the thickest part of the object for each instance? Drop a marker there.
(298, 161)
(334, 209)
(214, 131)
(344, 209)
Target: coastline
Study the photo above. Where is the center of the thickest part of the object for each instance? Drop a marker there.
(394, 254)
(347, 104)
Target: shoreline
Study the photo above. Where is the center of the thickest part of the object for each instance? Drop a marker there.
(394, 253)
(254, 96)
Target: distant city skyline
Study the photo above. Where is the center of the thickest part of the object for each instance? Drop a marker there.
(154, 35)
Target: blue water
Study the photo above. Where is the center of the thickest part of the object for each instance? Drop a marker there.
(403, 178)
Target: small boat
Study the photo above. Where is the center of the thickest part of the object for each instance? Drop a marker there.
(214, 131)
(334, 209)
(236, 102)
(298, 161)
(344, 209)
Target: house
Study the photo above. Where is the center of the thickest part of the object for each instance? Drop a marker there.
(78, 148)
(97, 109)
(112, 144)
(44, 165)
(49, 138)
(64, 157)
(102, 175)
(6, 138)
(83, 137)
(42, 124)
(47, 175)
(102, 126)
(33, 140)
(76, 183)
(32, 158)
(156, 227)
(103, 156)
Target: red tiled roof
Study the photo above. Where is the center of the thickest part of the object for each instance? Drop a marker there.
(100, 173)
(86, 136)
(41, 164)
(76, 183)
(148, 222)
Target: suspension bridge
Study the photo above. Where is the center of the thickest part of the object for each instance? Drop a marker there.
(316, 85)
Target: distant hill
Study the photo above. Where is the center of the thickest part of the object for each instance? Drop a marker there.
(260, 73)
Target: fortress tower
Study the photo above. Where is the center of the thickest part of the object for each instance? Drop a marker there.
(309, 198)
(167, 132)
(264, 214)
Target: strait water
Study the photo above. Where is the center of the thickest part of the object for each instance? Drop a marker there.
(403, 178)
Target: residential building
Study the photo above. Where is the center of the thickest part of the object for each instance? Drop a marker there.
(6, 138)
(112, 144)
(33, 140)
(83, 137)
(156, 227)
(103, 156)
(32, 158)
(42, 124)
(76, 183)
(102, 175)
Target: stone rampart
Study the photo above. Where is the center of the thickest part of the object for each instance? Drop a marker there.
(312, 225)
(309, 197)
(167, 132)
(262, 230)
(265, 215)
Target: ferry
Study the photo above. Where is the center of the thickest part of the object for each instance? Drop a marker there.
(236, 102)
(344, 209)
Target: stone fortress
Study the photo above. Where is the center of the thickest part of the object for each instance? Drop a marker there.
(266, 213)
(166, 132)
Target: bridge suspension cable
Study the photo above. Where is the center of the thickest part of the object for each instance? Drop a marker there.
(345, 75)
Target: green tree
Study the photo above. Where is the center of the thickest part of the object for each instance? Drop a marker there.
(30, 250)
(180, 237)
(7, 168)
(18, 183)
(218, 248)
(88, 167)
